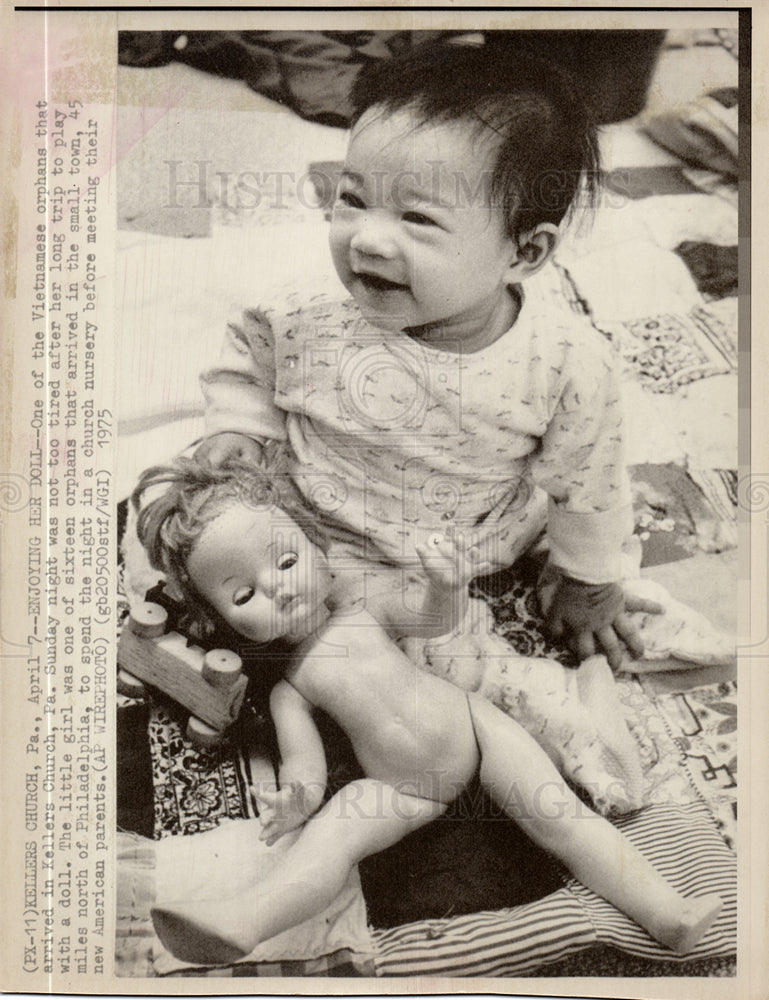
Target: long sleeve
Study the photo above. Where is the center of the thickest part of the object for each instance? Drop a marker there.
(580, 465)
(240, 389)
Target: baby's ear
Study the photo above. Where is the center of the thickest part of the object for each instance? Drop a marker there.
(533, 250)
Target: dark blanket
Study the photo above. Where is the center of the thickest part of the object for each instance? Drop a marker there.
(471, 859)
(311, 72)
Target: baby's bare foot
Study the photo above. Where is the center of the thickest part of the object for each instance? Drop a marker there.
(696, 918)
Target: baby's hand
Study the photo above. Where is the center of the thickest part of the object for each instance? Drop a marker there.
(220, 448)
(449, 563)
(595, 617)
(280, 811)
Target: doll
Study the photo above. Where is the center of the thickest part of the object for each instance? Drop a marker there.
(236, 542)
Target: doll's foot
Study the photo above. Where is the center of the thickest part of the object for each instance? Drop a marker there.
(696, 919)
(192, 935)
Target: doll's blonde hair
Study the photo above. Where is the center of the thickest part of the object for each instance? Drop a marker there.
(177, 501)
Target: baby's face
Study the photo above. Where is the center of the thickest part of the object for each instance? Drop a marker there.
(259, 570)
(413, 236)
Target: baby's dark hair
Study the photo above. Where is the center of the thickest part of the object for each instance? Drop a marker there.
(547, 158)
(176, 502)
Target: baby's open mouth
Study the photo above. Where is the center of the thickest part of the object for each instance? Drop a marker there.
(379, 284)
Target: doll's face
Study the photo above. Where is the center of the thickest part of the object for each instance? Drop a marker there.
(260, 572)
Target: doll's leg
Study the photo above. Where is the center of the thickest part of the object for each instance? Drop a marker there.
(362, 818)
(522, 779)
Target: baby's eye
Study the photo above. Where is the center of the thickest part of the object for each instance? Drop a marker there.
(287, 560)
(350, 200)
(419, 219)
(242, 596)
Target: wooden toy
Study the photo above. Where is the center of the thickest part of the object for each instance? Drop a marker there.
(211, 685)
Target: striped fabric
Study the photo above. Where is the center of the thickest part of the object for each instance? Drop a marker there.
(337, 965)
(492, 943)
(682, 843)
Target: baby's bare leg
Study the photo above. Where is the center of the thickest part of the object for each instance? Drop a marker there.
(521, 777)
(362, 818)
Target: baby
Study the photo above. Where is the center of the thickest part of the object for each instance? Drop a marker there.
(455, 386)
(234, 543)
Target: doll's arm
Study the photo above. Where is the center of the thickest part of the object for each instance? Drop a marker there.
(449, 565)
(435, 603)
(302, 771)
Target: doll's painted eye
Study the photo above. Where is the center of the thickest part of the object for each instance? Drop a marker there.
(287, 560)
(243, 596)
